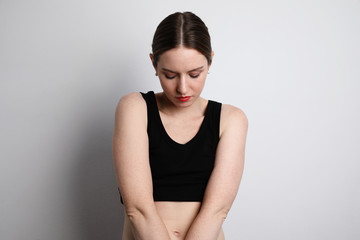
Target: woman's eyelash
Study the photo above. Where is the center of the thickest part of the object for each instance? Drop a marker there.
(191, 75)
(170, 77)
(194, 76)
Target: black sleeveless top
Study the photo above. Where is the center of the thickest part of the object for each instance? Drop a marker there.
(180, 172)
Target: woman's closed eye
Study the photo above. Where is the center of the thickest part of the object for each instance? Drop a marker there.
(194, 75)
(170, 76)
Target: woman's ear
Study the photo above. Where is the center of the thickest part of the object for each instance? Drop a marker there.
(152, 61)
(212, 57)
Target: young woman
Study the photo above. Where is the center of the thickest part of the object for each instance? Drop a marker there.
(178, 157)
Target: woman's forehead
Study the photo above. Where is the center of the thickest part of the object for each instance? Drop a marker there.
(182, 58)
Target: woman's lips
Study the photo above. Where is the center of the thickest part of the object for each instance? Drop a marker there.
(184, 99)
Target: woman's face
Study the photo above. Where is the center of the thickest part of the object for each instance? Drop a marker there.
(182, 73)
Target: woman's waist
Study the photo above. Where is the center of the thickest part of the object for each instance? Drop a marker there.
(177, 216)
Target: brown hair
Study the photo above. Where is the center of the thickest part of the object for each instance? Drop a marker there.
(181, 29)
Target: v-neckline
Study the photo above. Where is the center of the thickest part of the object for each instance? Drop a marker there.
(193, 139)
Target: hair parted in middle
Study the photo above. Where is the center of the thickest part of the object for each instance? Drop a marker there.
(181, 29)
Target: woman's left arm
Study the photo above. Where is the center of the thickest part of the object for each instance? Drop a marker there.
(225, 178)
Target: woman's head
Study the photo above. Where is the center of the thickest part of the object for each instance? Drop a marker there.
(181, 30)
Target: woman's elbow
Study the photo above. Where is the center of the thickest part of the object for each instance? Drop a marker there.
(138, 211)
(132, 213)
(219, 213)
(222, 213)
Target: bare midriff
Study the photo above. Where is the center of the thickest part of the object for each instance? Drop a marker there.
(177, 217)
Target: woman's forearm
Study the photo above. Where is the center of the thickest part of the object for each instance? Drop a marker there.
(147, 226)
(206, 226)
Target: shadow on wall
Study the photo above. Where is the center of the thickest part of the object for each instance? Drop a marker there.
(99, 212)
(98, 207)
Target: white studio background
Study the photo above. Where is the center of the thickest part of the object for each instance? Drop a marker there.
(292, 66)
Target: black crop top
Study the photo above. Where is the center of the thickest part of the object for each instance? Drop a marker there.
(180, 172)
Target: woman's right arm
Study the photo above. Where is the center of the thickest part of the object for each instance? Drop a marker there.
(131, 160)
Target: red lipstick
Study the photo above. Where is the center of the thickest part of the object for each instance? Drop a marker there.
(184, 99)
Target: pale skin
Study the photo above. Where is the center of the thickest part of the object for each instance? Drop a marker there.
(182, 72)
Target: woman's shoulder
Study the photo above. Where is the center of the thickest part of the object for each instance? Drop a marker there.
(132, 104)
(230, 112)
(133, 99)
(232, 118)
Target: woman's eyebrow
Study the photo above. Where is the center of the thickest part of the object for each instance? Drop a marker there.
(195, 69)
(167, 70)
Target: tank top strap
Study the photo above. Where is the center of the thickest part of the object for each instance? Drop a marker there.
(150, 100)
(214, 113)
(149, 97)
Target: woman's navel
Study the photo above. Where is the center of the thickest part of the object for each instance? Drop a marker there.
(178, 234)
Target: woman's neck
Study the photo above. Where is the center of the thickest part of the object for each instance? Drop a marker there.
(197, 108)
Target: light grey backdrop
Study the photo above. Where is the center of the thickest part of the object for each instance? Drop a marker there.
(292, 66)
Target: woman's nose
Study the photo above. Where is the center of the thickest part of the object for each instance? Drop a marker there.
(182, 85)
